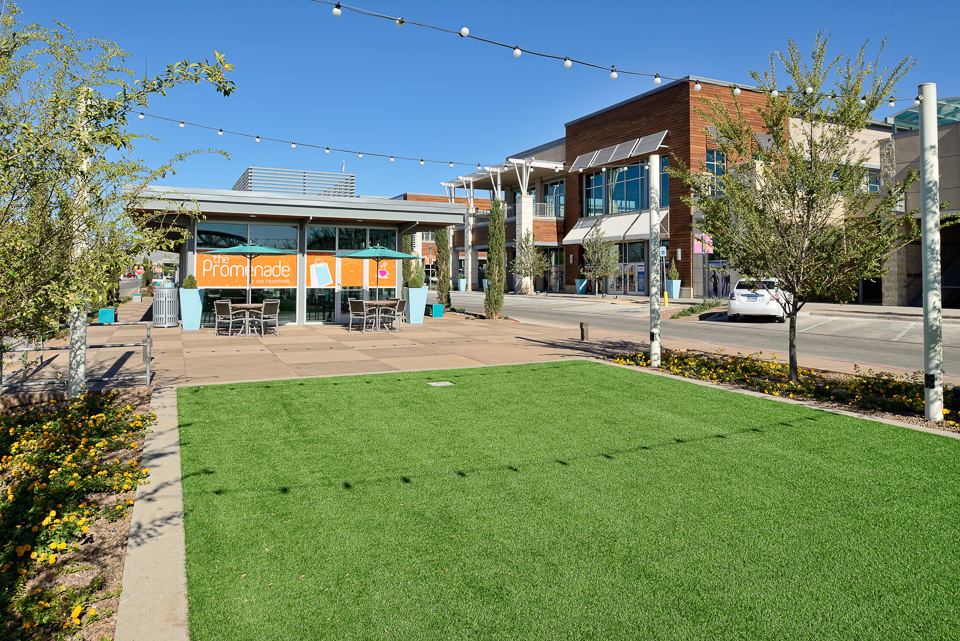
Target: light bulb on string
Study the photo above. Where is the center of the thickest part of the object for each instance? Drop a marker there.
(293, 145)
(863, 100)
(421, 162)
(336, 10)
(391, 158)
(892, 103)
(736, 90)
(140, 116)
(916, 101)
(220, 133)
(400, 22)
(451, 164)
(833, 95)
(656, 79)
(360, 155)
(774, 93)
(613, 73)
(182, 125)
(478, 166)
(516, 52)
(809, 90)
(464, 32)
(567, 62)
(257, 139)
(327, 150)
(697, 86)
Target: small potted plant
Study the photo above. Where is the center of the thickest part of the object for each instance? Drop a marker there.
(673, 281)
(191, 303)
(416, 294)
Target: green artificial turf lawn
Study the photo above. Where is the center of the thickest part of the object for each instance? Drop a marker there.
(568, 500)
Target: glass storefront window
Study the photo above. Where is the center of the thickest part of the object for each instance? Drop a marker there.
(664, 182)
(322, 238)
(384, 238)
(288, 301)
(276, 236)
(383, 293)
(553, 195)
(321, 305)
(593, 194)
(623, 189)
(217, 235)
(346, 294)
(350, 238)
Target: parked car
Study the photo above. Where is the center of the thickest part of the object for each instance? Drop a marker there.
(756, 298)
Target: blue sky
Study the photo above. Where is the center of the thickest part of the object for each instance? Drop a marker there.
(362, 83)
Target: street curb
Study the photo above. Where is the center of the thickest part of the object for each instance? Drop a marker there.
(918, 318)
(153, 603)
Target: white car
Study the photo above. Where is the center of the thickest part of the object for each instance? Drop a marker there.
(756, 298)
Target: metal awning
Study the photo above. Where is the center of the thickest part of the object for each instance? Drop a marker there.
(618, 228)
(621, 151)
(948, 110)
(765, 141)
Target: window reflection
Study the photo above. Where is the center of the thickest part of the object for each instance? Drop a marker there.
(219, 235)
(322, 238)
(384, 238)
(276, 236)
(350, 238)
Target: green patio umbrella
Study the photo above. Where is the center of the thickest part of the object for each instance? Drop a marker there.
(379, 253)
(250, 251)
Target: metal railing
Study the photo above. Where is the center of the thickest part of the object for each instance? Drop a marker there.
(547, 210)
(26, 369)
(296, 181)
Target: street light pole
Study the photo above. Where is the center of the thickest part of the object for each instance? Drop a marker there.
(930, 224)
(653, 183)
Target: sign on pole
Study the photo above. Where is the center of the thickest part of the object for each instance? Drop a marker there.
(139, 270)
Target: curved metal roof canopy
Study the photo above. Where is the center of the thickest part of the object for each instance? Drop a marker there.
(948, 110)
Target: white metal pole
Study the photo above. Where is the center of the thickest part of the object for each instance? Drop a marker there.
(932, 304)
(77, 355)
(653, 183)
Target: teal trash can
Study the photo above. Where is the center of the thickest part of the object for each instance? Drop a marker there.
(107, 315)
(436, 311)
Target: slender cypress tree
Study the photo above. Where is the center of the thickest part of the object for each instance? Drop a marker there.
(496, 267)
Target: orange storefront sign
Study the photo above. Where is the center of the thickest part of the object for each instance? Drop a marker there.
(216, 270)
(388, 273)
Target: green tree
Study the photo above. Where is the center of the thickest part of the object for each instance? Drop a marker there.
(406, 246)
(796, 208)
(529, 262)
(600, 257)
(442, 266)
(496, 267)
(69, 202)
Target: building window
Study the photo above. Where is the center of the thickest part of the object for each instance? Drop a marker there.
(429, 236)
(384, 238)
(276, 236)
(873, 181)
(322, 238)
(716, 164)
(219, 235)
(593, 194)
(664, 182)
(631, 252)
(624, 189)
(351, 238)
(553, 198)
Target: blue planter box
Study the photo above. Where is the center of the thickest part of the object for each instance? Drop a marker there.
(673, 289)
(416, 304)
(107, 315)
(191, 307)
(462, 284)
(436, 311)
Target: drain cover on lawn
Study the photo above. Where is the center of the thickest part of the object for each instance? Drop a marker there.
(440, 383)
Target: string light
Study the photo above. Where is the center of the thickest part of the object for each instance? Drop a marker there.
(391, 158)
(360, 154)
(613, 73)
(293, 145)
(327, 150)
(863, 100)
(464, 32)
(257, 139)
(181, 124)
(736, 90)
(141, 115)
(451, 164)
(916, 101)
(421, 162)
(478, 166)
(220, 133)
(892, 103)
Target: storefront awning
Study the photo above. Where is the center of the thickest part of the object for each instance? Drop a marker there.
(617, 228)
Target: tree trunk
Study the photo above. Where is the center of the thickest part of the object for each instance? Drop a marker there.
(794, 370)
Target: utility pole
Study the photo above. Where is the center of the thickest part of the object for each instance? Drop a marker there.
(653, 183)
(930, 249)
(77, 360)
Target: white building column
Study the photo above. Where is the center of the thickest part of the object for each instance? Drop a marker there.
(470, 255)
(523, 224)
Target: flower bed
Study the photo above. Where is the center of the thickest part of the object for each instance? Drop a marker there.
(65, 467)
(881, 391)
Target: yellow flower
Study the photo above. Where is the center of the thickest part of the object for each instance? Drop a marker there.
(76, 612)
(91, 612)
(52, 559)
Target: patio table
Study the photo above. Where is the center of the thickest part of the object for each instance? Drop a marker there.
(379, 305)
(246, 308)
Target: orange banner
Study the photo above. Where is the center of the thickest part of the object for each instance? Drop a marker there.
(220, 270)
(388, 273)
(351, 272)
(321, 270)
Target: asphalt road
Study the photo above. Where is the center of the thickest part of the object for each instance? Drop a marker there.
(876, 343)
